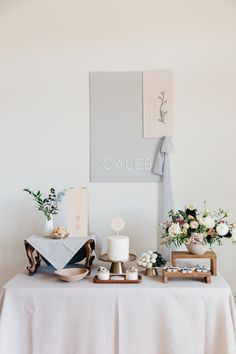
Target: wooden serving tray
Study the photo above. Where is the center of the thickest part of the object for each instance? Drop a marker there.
(206, 276)
(117, 281)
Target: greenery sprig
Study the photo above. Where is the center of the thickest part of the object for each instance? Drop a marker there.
(48, 205)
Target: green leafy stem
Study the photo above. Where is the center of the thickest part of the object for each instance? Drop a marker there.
(48, 205)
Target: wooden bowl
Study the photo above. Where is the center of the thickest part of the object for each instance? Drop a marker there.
(71, 274)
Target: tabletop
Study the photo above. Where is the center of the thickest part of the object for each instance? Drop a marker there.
(45, 278)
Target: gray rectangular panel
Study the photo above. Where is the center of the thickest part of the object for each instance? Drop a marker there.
(119, 153)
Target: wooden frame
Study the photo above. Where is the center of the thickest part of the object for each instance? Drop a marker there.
(34, 256)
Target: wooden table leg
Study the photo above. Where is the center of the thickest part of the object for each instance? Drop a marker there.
(90, 247)
(164, 278)
(34, 261)
(213, 266)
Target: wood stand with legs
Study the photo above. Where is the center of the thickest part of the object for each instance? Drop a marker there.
(34, 256)
(194, 275)
(186, 255)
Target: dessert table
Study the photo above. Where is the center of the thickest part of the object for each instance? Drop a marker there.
(42, 315)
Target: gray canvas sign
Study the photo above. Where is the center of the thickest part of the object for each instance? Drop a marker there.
(119, 152)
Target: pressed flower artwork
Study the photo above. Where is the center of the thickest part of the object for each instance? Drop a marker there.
(157, 104)
(162, 112)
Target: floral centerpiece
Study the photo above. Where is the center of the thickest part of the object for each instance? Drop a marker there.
(190, 227)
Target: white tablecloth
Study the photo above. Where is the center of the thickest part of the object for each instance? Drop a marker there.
(41, 315)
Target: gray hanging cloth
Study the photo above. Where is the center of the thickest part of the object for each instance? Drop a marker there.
(161, 167)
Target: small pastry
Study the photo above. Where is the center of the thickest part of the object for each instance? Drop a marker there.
(103, 273)
(132, 273)
(59, 232)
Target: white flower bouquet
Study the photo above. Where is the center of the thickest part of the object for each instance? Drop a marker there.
(193, 227)
(151, 259)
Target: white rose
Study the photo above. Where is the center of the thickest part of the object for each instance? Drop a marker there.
(150, 252)
(140, 263)
(222, 229)
(194, 224)
(174, 229)
(144, 264)
(209, 222)
(149, 265)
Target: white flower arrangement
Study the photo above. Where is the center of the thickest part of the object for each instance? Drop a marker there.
(151, 259)
(190, 226)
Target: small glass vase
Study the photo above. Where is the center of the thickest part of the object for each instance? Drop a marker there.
(48, 227)
(197, 249)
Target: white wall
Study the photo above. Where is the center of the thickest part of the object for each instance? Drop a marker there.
(47, 49)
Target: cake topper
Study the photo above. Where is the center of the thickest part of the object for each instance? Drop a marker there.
(117, 224)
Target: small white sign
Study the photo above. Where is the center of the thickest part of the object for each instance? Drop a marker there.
(117, 224)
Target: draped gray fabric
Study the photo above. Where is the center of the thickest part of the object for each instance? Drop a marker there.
(161, 167)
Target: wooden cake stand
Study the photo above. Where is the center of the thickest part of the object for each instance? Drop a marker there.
(117, 267)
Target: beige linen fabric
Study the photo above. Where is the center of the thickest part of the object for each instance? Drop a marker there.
(41, 315)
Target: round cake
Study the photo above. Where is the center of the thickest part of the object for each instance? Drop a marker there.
(118, 248)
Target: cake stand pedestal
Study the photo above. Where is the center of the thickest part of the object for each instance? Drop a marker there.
(117, 267)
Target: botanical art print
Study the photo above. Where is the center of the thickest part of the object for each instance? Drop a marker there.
(163, 113)
(157, 104)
